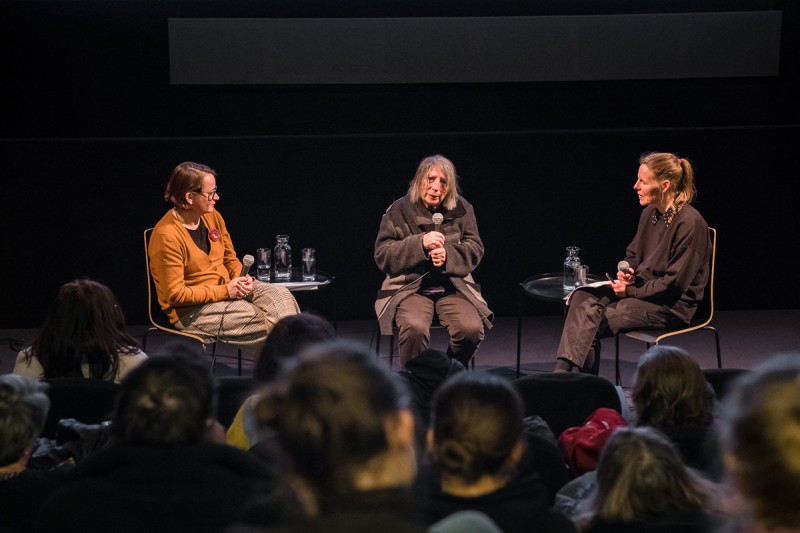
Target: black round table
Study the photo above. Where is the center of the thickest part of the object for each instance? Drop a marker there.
(547, 287)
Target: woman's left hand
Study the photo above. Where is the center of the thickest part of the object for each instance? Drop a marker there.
(438, 256)
(244, 286)
(619, 288)
(621, 283)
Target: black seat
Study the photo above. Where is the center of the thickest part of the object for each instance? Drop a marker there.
(565, 399)
(721, 379)
(87, 400)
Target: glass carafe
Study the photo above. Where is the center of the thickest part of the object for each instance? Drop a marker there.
(282, 260)
(570, 265)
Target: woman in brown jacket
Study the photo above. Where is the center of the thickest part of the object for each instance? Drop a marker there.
(429, 265)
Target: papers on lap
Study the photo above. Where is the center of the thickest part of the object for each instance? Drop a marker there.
(568, 297)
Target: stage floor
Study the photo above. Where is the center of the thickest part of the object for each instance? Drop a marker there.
(746, 338)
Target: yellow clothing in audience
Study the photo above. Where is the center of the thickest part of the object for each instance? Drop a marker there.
(238, 434)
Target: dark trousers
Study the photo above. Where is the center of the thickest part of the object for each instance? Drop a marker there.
(415, 314)
(597, 313)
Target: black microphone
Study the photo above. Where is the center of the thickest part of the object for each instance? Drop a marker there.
(438, 218)
(247, 262)
(623, 266)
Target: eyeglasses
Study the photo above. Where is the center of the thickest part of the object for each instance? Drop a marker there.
(210, 194)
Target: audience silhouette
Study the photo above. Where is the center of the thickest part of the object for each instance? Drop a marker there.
(23, 410)
(762, 440)
(164, 469)
(83, 335)
(345, 424)
(643, 486)
(334, 437)
(476, 444)
(289, 336)
(670, 394)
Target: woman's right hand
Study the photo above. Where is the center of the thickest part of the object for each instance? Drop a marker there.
(432, 240)
(628, 277)
(240, 287)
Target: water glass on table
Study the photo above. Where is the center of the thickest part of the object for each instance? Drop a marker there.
(263, 263)
(309, 264)
(581, 275)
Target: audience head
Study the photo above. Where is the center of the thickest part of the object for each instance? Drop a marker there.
(641, 475)
(287, 338)
(678, 171)
(671, 390)
(342, 419)
(418, 184)
(477, 425)
(84, 325)
(166, 400)
(762, 413)
(23, 410)
(186, 177)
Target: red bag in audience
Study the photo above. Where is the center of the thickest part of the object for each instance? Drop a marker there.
(582, 445)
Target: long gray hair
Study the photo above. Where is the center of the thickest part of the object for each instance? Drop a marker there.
(449, 171)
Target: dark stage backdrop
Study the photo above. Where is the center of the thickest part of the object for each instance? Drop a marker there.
(93, 127)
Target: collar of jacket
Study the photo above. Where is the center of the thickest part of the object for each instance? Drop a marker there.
(420, 217)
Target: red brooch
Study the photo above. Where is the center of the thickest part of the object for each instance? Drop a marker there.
(213, 235)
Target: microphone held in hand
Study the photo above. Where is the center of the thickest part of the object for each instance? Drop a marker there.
(438, 218)
(623, 266)
(247, 262)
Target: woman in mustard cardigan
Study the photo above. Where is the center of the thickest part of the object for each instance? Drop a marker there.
(196, 271)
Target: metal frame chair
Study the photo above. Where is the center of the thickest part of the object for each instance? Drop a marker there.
(164, 327)
(701, 320)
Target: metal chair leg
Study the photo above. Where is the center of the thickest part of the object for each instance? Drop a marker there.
(213, 357)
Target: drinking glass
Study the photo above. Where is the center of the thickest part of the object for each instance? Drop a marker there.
(309, 263)
(263, 263)
(581, 275)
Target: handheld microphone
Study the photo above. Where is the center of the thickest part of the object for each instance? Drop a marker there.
(623, 266)
(247, 262)
(438, 218)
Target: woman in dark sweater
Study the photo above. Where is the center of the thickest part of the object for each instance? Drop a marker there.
(668, 270)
